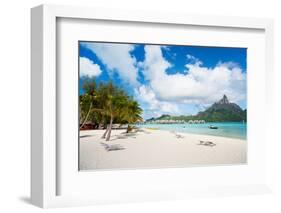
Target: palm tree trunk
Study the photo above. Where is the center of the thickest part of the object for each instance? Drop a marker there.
(86, 118)
(109, 129)
(128, 127)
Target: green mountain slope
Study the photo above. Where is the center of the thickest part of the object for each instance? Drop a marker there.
(221, 111)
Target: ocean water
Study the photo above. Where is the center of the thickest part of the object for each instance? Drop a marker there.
(225, 129)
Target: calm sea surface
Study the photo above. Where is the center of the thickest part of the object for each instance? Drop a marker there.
(227, 129)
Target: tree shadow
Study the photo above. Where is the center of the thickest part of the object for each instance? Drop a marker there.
(124, 136)
(86, 136)
(143, 131)
(113, 147)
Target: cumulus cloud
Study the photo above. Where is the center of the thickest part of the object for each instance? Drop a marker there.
(117, 58)
(193, 60)
(198, 85)
(88, 67)
(146, 95)
(164, 92)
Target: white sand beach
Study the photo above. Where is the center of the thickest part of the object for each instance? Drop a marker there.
(151, 148)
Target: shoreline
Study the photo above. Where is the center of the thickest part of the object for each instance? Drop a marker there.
(182, 132)
(146, 148)
(236, 130)
(212, 135)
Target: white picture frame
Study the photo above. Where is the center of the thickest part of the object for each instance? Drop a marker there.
(45, 168)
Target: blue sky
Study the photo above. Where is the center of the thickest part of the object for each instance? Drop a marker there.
(168, 79)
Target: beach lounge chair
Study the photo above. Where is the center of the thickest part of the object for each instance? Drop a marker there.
(207, 143)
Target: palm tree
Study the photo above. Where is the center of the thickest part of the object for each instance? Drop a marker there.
(132, 113)
(111, 101)
(88, 99)
(103, 96)
(107, 103)
(115, 104)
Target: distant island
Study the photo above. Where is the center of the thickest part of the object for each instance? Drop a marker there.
(221, 111)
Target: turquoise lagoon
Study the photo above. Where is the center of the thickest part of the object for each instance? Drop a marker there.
(225, 129)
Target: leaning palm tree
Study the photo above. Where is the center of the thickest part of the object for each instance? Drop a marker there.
(103, 97)
(111, 102)
(115, 105)
(131, 113)
(87, 100)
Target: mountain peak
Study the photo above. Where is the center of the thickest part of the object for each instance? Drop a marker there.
(224, 100)
(223, 110)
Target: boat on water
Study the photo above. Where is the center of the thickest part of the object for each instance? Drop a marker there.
(213, 127)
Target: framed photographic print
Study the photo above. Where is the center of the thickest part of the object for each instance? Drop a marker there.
(130, 106)
(161, 106)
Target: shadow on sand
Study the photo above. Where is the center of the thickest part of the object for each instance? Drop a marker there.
(86, 136)
(143, 131)
(124, 136)
(113, 147)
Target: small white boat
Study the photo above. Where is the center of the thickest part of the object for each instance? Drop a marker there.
(213, 127)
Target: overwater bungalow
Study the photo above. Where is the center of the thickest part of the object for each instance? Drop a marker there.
(171, 121)
(196, 121)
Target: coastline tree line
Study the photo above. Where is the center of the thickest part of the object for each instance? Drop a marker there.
(103, 104)
(221, 111)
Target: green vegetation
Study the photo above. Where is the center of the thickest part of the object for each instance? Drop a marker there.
(221, 111)
(103, 104)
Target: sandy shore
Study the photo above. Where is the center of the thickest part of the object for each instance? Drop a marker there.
(148, 148)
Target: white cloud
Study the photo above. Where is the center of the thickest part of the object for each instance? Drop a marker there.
(89, 68)
(168, 93)
(198, 85)
(155, 107)
(193, 60)
(118, 59)
(147, 95)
